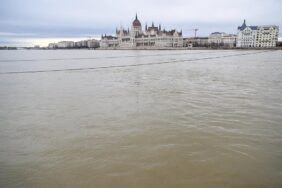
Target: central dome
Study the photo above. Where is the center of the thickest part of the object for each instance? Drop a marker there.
(136, 22)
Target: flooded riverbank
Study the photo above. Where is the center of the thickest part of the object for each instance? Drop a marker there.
(140, 118)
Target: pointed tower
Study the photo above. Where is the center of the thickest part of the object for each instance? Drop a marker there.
(136, 27)
(244, 24)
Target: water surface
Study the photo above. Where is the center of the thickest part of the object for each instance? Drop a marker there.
(84, 118)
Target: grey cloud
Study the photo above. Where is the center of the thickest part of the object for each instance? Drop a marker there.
(72, 17)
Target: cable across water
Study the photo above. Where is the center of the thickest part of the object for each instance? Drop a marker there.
(131, 65)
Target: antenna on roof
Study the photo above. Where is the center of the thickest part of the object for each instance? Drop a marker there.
(195, 32)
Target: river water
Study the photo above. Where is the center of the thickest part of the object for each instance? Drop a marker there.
(136, 119)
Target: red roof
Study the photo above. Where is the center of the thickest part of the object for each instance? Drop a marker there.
(136, 22)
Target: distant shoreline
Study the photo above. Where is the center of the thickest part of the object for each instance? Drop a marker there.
(141, 49)
(195, 48)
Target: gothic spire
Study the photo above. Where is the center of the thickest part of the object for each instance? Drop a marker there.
(244, 24)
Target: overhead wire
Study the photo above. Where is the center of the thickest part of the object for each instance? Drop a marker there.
(131, 65)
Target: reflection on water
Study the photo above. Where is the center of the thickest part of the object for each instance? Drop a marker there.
(206, 123)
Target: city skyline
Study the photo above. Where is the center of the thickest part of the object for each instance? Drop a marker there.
(48, 21)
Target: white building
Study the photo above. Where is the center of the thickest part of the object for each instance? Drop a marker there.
(151, 38)
(91, 43)
(65, 44)
(221, 39)
(109, 42)
(257, 36)
(267, 36)
(52, 45)
(196, 42)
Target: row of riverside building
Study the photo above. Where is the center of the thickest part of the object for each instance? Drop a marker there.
(257, 36)
(265, 36)
(91, 43)
(156, 37)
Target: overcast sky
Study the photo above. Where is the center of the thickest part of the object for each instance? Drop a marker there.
(28, 19)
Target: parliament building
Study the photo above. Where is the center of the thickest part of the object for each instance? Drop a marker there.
(152, 37)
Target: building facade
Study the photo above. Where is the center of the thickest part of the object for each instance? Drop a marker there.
(265, 36)
(91, 43)
(221, 39)
(65, 44)
(152, 37)
(196, 42)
